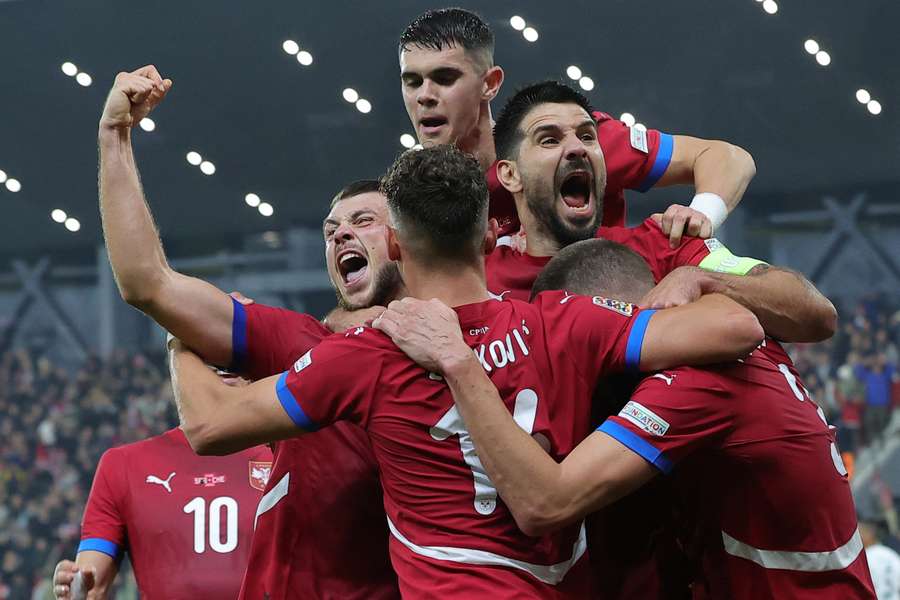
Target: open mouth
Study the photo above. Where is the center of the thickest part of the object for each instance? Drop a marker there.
(576, 190)
(430, 124)
(352, 267)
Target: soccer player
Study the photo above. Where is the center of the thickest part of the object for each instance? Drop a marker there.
(450, 533)
(552, 163)
(747, 447)
(319, 554)
(185, 520)
(449, 78)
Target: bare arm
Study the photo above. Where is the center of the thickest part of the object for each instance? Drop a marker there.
(190, 308)
(98, 570)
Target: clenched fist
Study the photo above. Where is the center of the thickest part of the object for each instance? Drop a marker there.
(133, 96)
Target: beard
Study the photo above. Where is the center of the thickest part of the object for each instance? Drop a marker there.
(384, 289)
(541, 201)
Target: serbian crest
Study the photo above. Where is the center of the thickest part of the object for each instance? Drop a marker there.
(259, 474)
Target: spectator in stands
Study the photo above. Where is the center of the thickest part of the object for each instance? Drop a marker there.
(877, 377)
(884, 563)
(850, 396)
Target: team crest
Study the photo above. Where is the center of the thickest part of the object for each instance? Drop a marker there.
(619, 306)
(259, 474)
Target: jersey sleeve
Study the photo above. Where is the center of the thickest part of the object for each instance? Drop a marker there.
(670, 415)
(103, 525)
(635, 159)
(334, 381)
(266, 340)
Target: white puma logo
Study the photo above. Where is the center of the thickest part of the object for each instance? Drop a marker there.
(567, 298)
(665, 378)
(164, 483)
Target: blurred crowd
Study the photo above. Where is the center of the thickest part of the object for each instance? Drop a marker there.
(55, 424)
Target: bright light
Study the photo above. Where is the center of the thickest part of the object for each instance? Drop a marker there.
(823, 58)
(517, 22)
(2, 176)
(574, 73)
(58, 215)
(13, 185)
(72, 224)
(640, 127)
(83, 79)
(194, 158)
(350, 95)
(530, 34)
(252, 200)
(586, 83)
(291, 47)
(69, 69)
(628, 119)
(770, 6)
(147, 124)
(863, 96)
(207, 167)
(304, 58)
(266, 210)
(363, 106)
(874, 107)
(811, 46)
(407, 140)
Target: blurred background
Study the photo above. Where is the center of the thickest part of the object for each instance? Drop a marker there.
(276, 105)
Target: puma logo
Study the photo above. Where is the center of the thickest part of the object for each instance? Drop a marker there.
(567, 298)
(668, 379)
(164, 483)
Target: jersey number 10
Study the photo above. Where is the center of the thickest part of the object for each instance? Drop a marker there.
(216, 506)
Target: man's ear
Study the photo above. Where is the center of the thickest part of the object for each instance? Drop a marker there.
(493, 79)
(393, 244)
(509, 176)
(490, 236)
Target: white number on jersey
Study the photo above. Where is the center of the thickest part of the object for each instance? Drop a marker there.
(451, 424)
(216, 506)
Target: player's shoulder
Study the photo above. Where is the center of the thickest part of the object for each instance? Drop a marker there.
(648, 228)
(146, 447)
(602, 117)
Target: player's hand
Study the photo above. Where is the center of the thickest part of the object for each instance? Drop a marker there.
(681, 286)
(133, 96)
(428, 332)
(65, 573)
(679, 220)
(341, 319)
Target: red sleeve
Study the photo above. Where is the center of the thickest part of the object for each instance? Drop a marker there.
(635, 159)
(103, 524)
(502, 204)
(267, 340)
(334, 381)
(672, 414)
(648, 240)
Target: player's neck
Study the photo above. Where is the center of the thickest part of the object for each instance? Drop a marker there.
(480, 143)
(454, 285)
(538, 242)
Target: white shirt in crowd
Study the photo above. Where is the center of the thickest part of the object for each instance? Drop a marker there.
(884, 565)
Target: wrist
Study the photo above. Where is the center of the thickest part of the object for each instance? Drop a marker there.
(457, 363)
(712, 206)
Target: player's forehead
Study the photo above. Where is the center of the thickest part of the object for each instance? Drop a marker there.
(554, 114)
(373, 203)
(421, 61)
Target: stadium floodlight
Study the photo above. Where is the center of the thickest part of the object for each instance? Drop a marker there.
(290, 46)
(58, 215)
(14, 186)
(823, 58)
(363, 106)
(863, 96)
(574, 73)
(350, 95)
(586, 83)
(530, 34)
(304, 58)
(770, 6)
(628, 119)
(73, 224)
(69, 69)
(517, 22)
(266, 209)
(207, 167)
(252, 200)
(194, 158)
(83, 79)
(874, 107)
(147, 124)
(811, 46)
(407, 141)
(2, 176)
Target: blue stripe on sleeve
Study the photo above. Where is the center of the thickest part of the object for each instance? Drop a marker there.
(636, 340)
(291, 406)
(638, 445)
(99, 545)
(238, 337)
(663, 157)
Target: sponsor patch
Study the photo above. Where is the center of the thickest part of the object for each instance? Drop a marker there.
(619, 306)
(639, 140)
(303, 362)
(259, 474)
(644, 418)
(209, 480)
(712, 244)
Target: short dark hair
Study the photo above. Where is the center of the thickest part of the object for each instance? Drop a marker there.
(355, 188)
(597, 267)
(448, 27)
(437, 200)
(508, 132)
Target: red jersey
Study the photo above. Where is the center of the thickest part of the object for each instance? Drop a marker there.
(320, 527)
(635, 160)
(451, 534)
(772, 499)
(185, 520)
(512, 272)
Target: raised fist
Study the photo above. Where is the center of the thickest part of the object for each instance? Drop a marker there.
(133, 96)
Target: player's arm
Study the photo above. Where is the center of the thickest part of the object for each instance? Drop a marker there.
(98, 571)
(190, 308)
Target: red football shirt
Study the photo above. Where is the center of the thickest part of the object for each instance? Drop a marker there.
(320, 528)
(511, 273)
(451, 534)
(635, 160)
(185, 520)
(759, 469)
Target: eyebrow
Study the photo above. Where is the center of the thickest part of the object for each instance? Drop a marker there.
(554, 127)
(445, 71)
(354, 215)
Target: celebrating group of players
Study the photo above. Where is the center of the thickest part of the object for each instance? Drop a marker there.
(509, 369)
